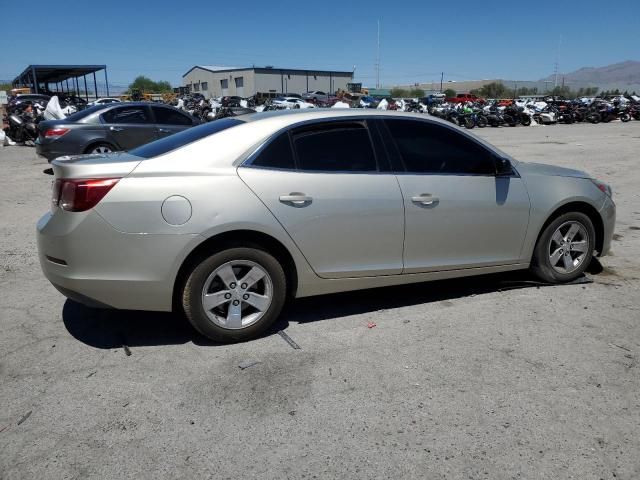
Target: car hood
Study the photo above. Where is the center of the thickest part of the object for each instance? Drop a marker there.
(526, 168)
(95, 165)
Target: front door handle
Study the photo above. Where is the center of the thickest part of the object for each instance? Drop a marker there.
(116, 129)
(425, 199)
(296, 199)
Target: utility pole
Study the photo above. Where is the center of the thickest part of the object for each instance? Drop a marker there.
(378, 59)
(557, 61)
(441, 79)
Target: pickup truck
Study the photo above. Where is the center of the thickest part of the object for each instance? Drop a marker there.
(462, 98)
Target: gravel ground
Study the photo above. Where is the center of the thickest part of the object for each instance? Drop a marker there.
(485, 378)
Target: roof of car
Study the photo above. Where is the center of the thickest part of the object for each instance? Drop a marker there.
(294, 116)
(275, 120)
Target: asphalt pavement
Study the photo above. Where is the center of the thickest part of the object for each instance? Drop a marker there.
(494, 377)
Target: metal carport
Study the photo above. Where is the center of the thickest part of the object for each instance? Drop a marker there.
(40, 78)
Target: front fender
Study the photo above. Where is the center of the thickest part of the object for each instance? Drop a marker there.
(550, 193)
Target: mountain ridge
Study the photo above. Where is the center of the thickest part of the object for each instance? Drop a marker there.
(621, 73)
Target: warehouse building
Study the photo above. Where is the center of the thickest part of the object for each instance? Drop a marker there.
(216, 81)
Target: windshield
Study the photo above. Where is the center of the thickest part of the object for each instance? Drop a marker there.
(183, 138)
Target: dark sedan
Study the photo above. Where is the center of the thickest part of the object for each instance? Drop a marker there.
(110, 128)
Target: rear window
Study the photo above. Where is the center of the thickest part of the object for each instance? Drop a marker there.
(74, 117)
(177, 140)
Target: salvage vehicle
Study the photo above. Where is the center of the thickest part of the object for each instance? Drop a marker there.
(104, 101)
(291, 102)
(316, 96)
(110, 128)
(20, 101)
(227, 220)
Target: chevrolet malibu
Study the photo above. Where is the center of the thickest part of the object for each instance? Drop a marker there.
(227, 220)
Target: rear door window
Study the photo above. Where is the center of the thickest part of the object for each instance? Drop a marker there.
(128, 114)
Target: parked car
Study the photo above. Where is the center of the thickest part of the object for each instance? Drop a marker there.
(292, 102)
(27, 99)
(104, 101)
(368, 102)
(229, 219)
(110, 128)
(316, 96)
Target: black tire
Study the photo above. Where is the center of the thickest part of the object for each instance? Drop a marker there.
(625, 117)
(468, 123)
(541, 264)
(481, 121)
(594, 118)
(525, 120)
(192, 292)
(91, 148)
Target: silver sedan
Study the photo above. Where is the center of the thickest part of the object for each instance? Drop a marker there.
(227, 220)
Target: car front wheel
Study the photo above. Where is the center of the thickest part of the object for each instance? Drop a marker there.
(564, 249)
(235, 294)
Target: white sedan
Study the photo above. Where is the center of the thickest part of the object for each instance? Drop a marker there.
(104, 101)
(292, 102)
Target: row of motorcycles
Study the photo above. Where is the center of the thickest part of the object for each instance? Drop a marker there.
(472, 115)
(20, 123)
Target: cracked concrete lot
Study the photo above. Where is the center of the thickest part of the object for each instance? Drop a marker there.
(484, 378)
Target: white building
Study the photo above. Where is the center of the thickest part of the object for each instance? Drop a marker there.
(216, 81)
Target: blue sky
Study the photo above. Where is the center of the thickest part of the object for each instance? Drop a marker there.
(465, 39)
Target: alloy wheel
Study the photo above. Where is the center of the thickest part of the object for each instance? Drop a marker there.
(101, 149)
(568, 247)
(237, 294)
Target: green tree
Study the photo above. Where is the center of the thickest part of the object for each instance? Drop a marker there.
(450, 92)
(416, 93)
(493, 90)
(6, 87)
(146, 85)
(399, 92)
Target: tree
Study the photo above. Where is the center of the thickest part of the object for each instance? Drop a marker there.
(493, 90)
(449, 92)
(416, 93)
(146, 85)
(399, 92)
(6, 87)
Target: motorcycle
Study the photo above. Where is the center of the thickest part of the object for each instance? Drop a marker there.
(22, 126)
(496, 118)
(518, 113)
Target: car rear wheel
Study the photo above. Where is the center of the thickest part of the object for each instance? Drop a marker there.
(100, 148)
(565, 248)
(235, 294)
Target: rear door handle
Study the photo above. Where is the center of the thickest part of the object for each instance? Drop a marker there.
(164, 130)
(425, 199)
(296, 199)
(116, 129)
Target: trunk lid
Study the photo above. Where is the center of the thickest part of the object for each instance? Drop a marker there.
(97, 165)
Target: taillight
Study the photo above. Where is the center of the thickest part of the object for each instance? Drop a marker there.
(79, 195)
(55, 132)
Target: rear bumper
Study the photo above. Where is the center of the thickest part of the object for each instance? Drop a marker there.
(89, 261)
(48, 151)
(608, 215)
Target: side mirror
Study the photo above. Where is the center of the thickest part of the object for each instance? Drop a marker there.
(503, 167)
